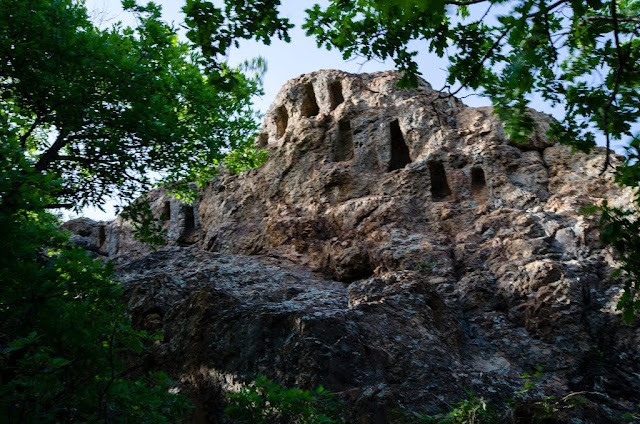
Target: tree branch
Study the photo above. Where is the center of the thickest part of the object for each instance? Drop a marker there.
(496, 43)
(59, 206)
(607, 18)
(112, 377)
(24, 137)
(616, 87)
(48, 156)
(548, 31)
(465, 3)
(79, 159)
(550, 8)
(481, 62)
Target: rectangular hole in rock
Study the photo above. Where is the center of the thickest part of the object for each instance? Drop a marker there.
(189, 220)
(399, 150)
(166, 211)
(102, 235)
(309, 104)
(335, 94)
(478, 183)
(189, 226)
(343, 148)
(282, 120)
(439, 186)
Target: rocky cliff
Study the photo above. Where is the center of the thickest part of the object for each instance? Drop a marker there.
(395, 248)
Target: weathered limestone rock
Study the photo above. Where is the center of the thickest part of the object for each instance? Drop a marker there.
(394, 248)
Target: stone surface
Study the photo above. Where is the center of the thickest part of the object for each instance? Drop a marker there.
(395, 248)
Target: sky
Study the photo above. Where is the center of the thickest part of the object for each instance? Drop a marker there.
(285, 60)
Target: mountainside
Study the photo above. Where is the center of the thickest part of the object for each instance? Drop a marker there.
(395, 248)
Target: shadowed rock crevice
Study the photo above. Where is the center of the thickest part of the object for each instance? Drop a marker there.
(439, 186)
(309, 104)
(282, 120)
(102, 235)
(399, 150)
(478, 183)
(343, 146)
(352, 264)
(335, 94)
(263, 140)
(166, 211)
(188, 232)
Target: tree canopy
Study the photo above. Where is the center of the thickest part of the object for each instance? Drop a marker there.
(110, 110)
(87, 113)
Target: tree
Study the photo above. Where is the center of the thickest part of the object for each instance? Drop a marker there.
(87, 113)
(580, 56)
(108, 110)
(64, 335)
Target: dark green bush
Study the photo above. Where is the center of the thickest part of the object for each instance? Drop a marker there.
(64, 332)
(266, 402)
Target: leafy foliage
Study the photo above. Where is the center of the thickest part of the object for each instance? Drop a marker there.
(64, 335)
(266, 402)
(146, 227)
(109, 110)
(529, 380)
(621, 229)
(633, 416)
(522, 407)
(216, 29)
(470, 410)
(426, 266)
(582, 57)
(241, 160)
(87, 113)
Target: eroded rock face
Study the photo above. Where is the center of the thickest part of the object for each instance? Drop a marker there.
(394, 248)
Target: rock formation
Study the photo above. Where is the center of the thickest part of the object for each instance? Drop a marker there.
(395, 248)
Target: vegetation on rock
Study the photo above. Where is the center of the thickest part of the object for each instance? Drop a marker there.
(266, 402)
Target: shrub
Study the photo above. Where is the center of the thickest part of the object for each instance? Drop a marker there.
(266, 402)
